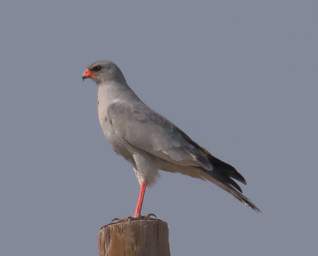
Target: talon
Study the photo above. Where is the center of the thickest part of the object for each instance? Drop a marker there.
(115, 220)
(151, 216)
(103, 227)
(130, 218)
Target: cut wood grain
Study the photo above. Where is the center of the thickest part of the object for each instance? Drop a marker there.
(135, 237)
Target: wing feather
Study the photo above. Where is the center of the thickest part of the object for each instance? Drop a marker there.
(148, 131)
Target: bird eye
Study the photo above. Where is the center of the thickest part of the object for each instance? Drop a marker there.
(96, 68)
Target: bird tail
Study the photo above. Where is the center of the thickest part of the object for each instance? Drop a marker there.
(224, 176)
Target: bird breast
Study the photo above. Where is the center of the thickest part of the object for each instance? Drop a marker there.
(119, 146)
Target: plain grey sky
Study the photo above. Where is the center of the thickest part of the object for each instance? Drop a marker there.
(240, 77)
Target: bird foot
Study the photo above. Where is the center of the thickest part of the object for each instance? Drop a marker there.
(150, 216)
(116, 220)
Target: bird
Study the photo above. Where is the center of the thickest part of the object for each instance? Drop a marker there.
(149, 141)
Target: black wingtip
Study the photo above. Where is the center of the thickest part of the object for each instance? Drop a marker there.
(232, 187)
(252, 205)
(245, 200)
(233, 184)
(225, 169)
(236, 175)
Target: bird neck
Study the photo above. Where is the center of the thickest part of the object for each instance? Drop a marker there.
(112, 91)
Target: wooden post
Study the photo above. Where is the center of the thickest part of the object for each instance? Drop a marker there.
(134, 237)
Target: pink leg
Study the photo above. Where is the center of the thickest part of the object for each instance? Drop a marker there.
(140, 199)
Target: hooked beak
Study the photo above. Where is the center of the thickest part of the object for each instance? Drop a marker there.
(87, 74)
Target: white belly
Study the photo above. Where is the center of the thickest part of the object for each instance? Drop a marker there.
(103, 121)
(145, 166)
(119, 146)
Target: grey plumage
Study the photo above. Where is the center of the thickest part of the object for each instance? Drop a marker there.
(149, 141)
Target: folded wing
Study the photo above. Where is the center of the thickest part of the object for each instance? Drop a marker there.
(150, 132)
(146, 130)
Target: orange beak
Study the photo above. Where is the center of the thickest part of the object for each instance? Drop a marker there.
(88, 74)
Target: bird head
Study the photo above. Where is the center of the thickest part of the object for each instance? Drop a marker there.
(103, 71)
